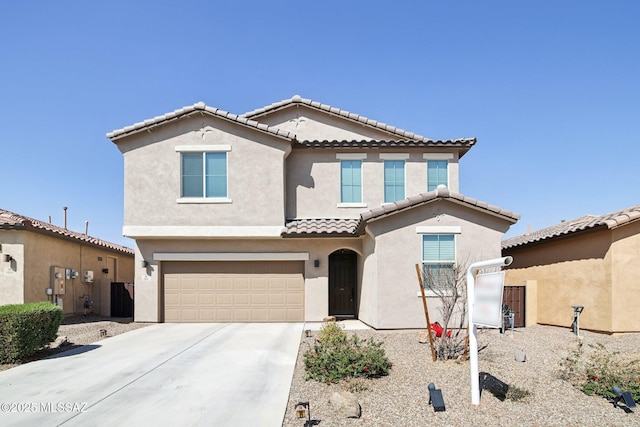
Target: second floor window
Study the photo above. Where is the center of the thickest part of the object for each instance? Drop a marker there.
(393, 180)
(351, 181)
(437, 173)
(204, 174)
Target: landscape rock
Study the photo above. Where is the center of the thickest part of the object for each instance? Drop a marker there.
(346, 404)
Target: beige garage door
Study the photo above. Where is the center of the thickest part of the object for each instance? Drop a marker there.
(233, 291)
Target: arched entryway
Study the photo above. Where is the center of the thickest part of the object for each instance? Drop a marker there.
(343, 283)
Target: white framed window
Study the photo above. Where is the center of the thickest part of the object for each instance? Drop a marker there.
(437, 174)
(437, 169)
(438, 261)
(394, 178)
(203, 174)
(350, 181)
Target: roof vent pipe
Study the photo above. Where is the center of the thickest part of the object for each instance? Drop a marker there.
(65, 216)
(86, 228)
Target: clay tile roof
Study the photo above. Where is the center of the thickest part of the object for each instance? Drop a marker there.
(297, 99)
(12, 221)
(326, 227)
(411, 143)
(437, 194)
(321, 227)
(194, 109)
(586, 222)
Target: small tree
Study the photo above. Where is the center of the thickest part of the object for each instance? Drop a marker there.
(449, 283)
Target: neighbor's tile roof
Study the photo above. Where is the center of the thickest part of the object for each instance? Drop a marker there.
(348, 144)
(297, 99)
(321, 226)
(194, 109)
(587, 222)
(328, 227)
(13, 221)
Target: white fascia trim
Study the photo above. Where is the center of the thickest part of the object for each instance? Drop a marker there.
(351, 205)
(439, 229)
(135, 231)
(351, 156)
(204, 200)
(394, 156)
(202, 148)
(231, 256)
(437, 156)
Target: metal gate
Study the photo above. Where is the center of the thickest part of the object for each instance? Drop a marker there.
(514, 297)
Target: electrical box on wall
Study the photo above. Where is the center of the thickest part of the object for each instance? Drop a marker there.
(88, 276)
(58, 280)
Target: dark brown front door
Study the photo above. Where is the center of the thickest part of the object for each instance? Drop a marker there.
(343, 277)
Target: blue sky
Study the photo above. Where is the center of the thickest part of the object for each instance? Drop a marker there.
(551, 89)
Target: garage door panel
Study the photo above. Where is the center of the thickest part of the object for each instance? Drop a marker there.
(233, 291)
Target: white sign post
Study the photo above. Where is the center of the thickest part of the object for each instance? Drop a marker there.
(487, 300)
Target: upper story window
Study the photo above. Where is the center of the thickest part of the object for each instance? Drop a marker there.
(393, 180)
(203, 173)
(351, 181)
(437, 174)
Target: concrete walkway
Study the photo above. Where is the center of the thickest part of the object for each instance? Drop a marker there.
(162, 375)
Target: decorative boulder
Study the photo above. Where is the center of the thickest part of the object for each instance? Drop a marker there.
(520, 356)
(346, 404)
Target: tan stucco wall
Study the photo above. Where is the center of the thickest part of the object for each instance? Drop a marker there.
(399, 247)
(11, 273)
(42, 251)
(313, 181)
(310, 124)
(573, 271)
(625, 277)
(152, 175)
(148, 280)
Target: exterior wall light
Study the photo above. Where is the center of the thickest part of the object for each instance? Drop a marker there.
(316, 263)
(144, 264)
(8, 258)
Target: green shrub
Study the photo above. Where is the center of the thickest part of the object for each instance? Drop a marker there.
(335, 356)
(606, 369)
(25, 328)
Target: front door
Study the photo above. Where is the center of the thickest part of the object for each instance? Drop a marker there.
(343, 279)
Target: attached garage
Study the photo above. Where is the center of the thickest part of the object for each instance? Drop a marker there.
(233, 291)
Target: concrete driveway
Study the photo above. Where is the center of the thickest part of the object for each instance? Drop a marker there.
(163, 375)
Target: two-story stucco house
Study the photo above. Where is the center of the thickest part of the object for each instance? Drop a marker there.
(293, 212)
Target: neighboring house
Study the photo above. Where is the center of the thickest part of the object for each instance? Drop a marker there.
(592, 261)
(33, 253)
(293, 212)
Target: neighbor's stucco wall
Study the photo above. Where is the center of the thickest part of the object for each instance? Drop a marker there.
(152, 168)
(149, 286)
(399, 248)
(42, 251)
(12, 273)
(572, 271)
(625, 278)
(313, 181)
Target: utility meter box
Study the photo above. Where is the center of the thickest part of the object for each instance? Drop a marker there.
(88, 276)
(58, 280)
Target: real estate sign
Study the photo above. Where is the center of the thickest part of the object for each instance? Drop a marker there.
(487, 299)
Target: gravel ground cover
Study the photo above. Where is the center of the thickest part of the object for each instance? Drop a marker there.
(82, 330)
(401, 398)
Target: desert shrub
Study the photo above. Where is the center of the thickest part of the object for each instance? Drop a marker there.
(25, 328)
(335, 356)
(600, 370)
